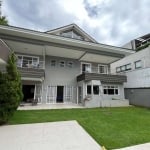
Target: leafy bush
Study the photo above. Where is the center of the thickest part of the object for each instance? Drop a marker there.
(10, 90)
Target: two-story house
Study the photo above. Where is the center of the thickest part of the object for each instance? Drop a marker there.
(137, 69)
(66, 65)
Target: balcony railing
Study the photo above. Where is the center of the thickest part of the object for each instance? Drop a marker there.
(97, 70)
(31, 64)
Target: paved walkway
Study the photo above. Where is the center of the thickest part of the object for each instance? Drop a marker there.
(65, 135)
(49, 106)
(137, 147)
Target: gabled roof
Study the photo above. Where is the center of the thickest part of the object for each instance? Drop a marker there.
(75, 28)
(35, 42)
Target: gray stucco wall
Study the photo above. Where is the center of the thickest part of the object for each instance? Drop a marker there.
(60, 76)
(138, 96)
(101, 100)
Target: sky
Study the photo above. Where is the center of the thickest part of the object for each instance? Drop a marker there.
(112, 22)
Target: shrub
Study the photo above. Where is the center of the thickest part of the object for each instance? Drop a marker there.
(10, 90)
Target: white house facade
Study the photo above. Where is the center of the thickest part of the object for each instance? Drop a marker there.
(66, 65)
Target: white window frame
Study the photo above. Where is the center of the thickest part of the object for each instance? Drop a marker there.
(27, 56)
(98, 89)
(105, 69)
(51, 62)
(68, 64)
(60, 63)
(117, 69)
(87, 64)
(138, 62)
(111, 88)
(86, 89)
(130, 67)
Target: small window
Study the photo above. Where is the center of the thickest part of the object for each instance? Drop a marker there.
(123, 68)
(116, 91)
(118, 69)
(89, 89)
(86, 67)
(62, 64)
(138, 64)
(110, 90)
(128, 67)
(102, 69)
(53, 63)
(95, 89)
(70, 64)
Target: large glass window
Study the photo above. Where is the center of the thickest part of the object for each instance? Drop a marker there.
(27, 61)
(86, 67)
(89, 89)
(110, 90)
(95, 89)
(138, 64)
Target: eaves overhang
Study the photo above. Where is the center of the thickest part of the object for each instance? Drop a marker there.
(45, 38)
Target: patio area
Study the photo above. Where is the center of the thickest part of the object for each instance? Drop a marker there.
(64, 135)
(48, 106)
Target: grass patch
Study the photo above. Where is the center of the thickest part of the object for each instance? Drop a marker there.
(111, 127)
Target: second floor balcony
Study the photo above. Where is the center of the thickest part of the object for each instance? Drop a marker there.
(30, 66)
(101, 73)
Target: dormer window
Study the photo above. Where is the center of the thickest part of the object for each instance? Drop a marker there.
(72, 34)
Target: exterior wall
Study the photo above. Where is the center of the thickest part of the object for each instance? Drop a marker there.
(138, 96)
(142, 55)
(65, 76)
(129, 45)
(120, 96)
(102, 100)
(114, 103)
(137, 87)
(60, 76)
(138, 78)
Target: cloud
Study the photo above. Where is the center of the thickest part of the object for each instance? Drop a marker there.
(113, 22)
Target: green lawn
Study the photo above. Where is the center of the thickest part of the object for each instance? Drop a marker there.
(111, 127)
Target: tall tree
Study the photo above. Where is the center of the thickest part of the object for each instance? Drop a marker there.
(3, 20)
(10, 90)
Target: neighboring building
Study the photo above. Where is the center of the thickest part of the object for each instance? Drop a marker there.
(137, 69)
(66, 65)
(138, 43)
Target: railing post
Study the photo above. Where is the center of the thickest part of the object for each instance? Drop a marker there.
(44, 56)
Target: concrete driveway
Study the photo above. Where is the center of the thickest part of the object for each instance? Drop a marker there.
(65, 135)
